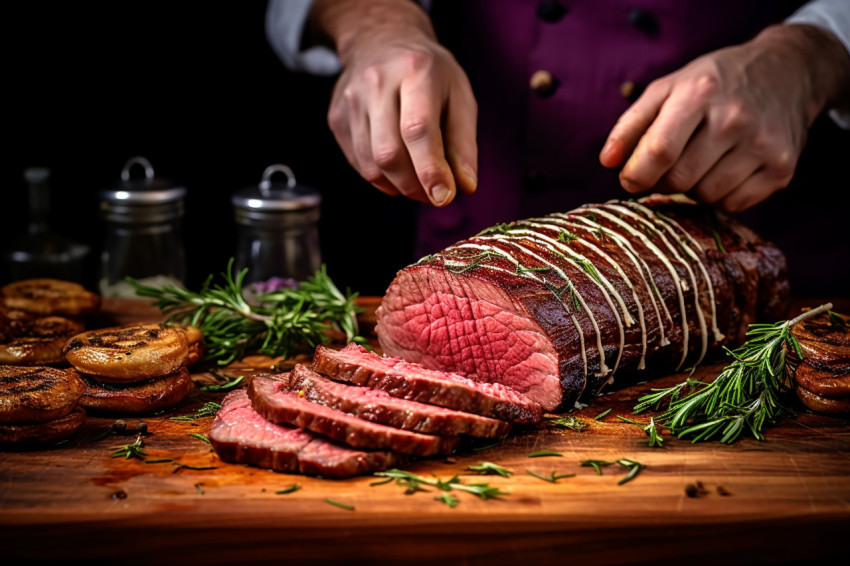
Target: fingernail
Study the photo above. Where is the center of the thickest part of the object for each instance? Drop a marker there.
(440, 194)
(629, 186)
(472, 178)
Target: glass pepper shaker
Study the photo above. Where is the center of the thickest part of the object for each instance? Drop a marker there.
(277, 225)
(143, 238)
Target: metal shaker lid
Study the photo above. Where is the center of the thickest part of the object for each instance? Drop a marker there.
(148, 190)
(270, 196)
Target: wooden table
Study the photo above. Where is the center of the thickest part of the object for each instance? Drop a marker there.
(785, 499)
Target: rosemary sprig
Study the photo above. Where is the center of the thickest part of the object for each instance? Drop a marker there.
(339, 504)
(552, 478)
(651, 430)
(633, 467)
(280, 323)
(602, 415)
(486, 468)
(200, 436)
(414, 483)
(743, 397)
(291, 489)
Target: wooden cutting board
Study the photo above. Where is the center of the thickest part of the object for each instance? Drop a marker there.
(784, 499)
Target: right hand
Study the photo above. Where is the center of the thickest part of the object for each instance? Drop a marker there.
(405, 117)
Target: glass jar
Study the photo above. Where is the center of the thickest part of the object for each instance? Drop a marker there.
(143, 237)
(277, 225)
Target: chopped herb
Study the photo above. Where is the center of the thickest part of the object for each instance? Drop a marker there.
(718, 242)
(486, 446)
(722, 491)
(380, 482)
(200, 488)
(159, 461)
(291, 489)
(135, 450)
(448, 499)
(200, 437)
(345, 506)
(569, 422)
(490, 468)
(231, 383)
(837, 321)
(599, 233)
(567, 237)
(553, 478)
(588, 268)
(544, 453)
(602, 415)
(596, 465)
(633, 467)
(414, 482)
(590, 216)
(497, 229)
(520, 269)
(627, 420)
(655, 439)
(208, 410)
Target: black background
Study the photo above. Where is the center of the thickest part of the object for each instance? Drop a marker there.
(196, 88)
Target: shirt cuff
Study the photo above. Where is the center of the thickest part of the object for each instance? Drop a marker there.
(834, 17)
(285, 22)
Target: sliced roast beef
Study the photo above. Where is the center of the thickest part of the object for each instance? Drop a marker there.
(559, 306)
(239, 434)
(414, 382)
(377, 406)
(275, 403)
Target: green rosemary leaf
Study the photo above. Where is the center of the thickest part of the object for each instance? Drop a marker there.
(602, 415)
(209, 409)
(134, 450)
(490, 468)
(227, 386)
(159, 461)
(596, 465)
(448, 499)
(291, 489)
(345, 506)
(836, 321)
(567, 237)
(188, 467)
(718, 242)
(200, 437)
(633, 467)
(543, 454)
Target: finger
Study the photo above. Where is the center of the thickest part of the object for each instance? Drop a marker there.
(388, 150)
(632, 124)
(729, 173)
(663, 143)
(460, 139)
(420, 115)
(725, 127)
(755, 189)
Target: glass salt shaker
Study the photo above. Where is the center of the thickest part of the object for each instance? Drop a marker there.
(143, 239)
(277, 228)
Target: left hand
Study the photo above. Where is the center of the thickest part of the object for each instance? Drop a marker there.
(729, 127)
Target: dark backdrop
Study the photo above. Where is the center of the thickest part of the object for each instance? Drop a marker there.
(196, 88)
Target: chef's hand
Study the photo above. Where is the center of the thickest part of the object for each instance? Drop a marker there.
(730, 126)
(402, 110)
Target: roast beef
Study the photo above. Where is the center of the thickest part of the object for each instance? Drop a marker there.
(239, 434)
(412, 381)
(377, 406)
(275, 403)
(559, 306)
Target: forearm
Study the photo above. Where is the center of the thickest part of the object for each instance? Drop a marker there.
(824, 57)
(343, 24)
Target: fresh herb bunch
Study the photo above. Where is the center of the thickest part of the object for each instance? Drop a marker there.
(746, 394)
(277, 323)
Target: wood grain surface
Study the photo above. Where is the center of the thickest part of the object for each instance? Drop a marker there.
(784, 500)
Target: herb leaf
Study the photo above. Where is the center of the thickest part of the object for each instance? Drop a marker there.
(291, 489)
(448, 499)
(345, 506)
(596, 465)
(553, 478)
(634, 469)
(567, 421)
(543, 453)
(491, 468)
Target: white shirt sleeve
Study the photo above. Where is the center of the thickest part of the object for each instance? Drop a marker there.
(285, 21)
(834, 17)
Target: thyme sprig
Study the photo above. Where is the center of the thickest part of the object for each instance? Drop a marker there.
(414, 483)
(566, 421)
(743, 397)
(276, 324)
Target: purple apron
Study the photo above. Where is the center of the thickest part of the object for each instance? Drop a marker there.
(538, 149)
